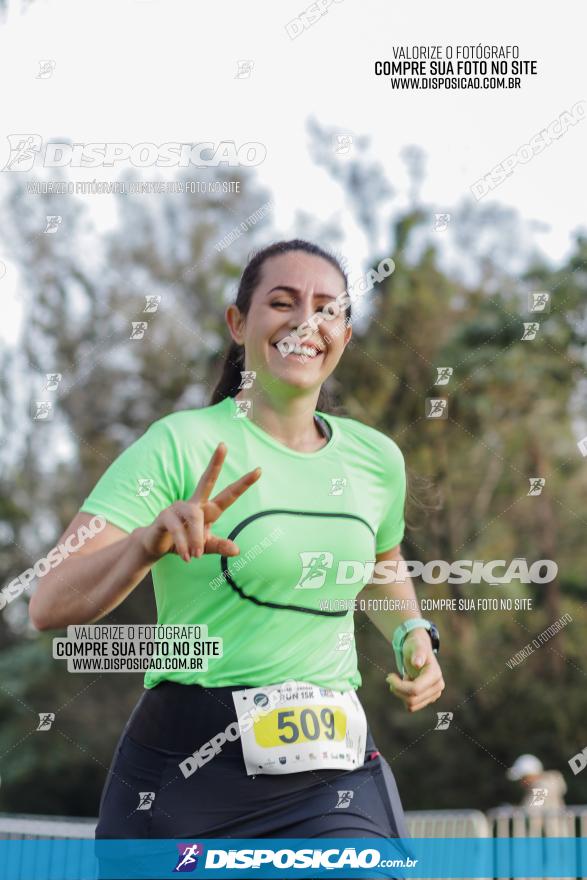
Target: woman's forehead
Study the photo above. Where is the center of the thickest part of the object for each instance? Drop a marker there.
(302, 271)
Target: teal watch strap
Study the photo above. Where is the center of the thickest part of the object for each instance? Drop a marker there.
(400, 634)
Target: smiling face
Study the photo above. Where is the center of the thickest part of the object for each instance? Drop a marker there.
(293, 288)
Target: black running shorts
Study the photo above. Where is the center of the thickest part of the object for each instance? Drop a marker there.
(219, 800)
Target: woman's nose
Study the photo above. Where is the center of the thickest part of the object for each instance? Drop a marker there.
(301, 315)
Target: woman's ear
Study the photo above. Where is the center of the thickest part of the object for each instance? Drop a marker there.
(236, 323)
(348, 334)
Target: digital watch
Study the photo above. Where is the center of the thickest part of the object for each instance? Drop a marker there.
(402, 631)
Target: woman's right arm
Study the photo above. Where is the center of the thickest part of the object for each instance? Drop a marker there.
(92, 581)
(98, 576)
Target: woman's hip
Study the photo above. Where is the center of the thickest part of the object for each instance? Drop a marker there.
(147, 794)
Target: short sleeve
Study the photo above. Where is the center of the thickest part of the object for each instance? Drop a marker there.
(141, 482)
(392, 526)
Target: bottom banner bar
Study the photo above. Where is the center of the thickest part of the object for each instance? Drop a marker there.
(418, 859)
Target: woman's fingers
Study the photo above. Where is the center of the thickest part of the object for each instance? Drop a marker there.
(229, 495)
(210, 475)
(429, 675)
(192, 517)
(186, 526)
(428, 696)
(183, 528)
(223, 546)
(432, 698)
(173, 523)
(419, 692)
(199, 539)
(416, 689)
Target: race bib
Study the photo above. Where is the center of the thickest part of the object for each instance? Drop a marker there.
(295, 726)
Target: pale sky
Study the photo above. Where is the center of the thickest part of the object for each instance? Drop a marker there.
(162, 70)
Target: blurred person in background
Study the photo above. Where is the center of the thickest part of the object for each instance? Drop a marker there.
(543, 788)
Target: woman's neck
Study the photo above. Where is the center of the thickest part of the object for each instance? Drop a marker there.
(290, 422)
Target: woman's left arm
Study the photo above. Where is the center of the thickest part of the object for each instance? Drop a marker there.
(423, 683)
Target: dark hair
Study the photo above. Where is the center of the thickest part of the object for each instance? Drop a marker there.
(234, 360)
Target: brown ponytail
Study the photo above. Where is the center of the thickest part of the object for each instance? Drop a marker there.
(230, 380)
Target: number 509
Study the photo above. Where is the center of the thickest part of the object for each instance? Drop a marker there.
(313, 726)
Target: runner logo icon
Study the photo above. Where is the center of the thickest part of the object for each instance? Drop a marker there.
(344, 799)
(314, 565)
(188, 856)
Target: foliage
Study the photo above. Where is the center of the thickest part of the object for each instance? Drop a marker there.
(512, 408)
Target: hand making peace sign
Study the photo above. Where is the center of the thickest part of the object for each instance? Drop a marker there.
(184, 527)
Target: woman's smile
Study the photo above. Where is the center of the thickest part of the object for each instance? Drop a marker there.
(301, 353)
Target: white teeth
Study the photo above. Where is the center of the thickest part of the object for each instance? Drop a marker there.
(305, 350)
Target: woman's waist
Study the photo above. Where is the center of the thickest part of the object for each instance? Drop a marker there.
(182, 717)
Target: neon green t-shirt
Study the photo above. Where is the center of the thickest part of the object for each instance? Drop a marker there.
(283, 607)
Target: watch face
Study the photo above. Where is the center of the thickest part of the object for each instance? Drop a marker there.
(435, 636)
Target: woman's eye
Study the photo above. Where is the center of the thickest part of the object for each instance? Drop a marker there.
(280, 303)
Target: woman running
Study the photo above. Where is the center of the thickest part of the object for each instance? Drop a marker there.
(257, 516)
